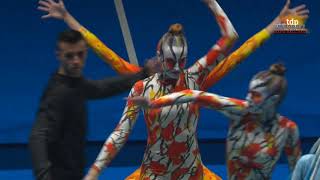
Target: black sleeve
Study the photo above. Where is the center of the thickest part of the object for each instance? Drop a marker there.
(46, 130)
(111, 86)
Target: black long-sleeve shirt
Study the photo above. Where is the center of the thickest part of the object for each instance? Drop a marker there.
(57, 140)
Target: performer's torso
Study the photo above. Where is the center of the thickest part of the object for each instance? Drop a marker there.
(63, 109)
(253, 149)
(172, 151)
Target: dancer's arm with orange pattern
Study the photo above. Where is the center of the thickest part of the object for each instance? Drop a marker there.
(252, 44)
(235, 58)
(117, 63)
(229, 35)
(231, 107)
(59, 11)
(119, 136)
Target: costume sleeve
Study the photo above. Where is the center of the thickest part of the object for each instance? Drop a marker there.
(302, 167)
(204, 65)
(121, 133)
(292, 147)
(230, 62)
(227, 106)
(315, 147)
(111, 86)
(45, 131)
(120, 65)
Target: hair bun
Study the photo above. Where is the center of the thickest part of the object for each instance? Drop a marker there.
(176, 29)
(278, 69)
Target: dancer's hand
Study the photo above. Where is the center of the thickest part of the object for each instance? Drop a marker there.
(54, 9)
(300, 12)
(152, 66)
(140, 100)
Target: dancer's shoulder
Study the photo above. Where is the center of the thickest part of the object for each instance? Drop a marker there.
(286, 122)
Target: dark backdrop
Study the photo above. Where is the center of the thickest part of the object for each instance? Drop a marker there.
(27, 58)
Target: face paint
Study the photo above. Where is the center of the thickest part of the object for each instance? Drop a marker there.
(261, 97)
(173, 53)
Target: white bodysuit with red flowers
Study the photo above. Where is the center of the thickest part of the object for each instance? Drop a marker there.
(172, 150)
(253, 148)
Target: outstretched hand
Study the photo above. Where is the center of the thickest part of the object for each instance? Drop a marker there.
(54, 9)
(140, 100)
(300, 11)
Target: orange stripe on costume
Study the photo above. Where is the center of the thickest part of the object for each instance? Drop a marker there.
(235, 58)
(117, 63)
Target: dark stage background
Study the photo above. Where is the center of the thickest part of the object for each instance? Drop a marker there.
(27, 58)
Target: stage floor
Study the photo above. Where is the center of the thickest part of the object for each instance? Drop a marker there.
(281, 172)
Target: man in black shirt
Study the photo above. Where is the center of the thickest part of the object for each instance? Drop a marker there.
(57, 140)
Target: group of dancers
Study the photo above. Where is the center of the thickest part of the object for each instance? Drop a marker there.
(171, 100)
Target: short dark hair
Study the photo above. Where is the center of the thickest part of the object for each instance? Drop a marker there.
(69, 36)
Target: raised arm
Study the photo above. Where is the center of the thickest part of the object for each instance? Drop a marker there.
(203, 66)
(119, 136)
(226, 65)
(58, 10)
(229, 63)
(116, 62)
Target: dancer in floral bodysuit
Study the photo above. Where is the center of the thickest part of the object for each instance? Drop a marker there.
(257, 133)
(170, 155)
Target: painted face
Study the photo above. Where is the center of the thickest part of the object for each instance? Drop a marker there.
(261, 95)
(173, 53)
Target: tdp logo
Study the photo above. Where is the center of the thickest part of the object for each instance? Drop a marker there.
(291, 25)
(292, 22)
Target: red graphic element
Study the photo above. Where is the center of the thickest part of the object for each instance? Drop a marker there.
(273, 151)
(110, 148)
(138, 88)
(167, 132)
(175, 151)
(157, 168)
(198, 173)
(178, 173)
(153, 135)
